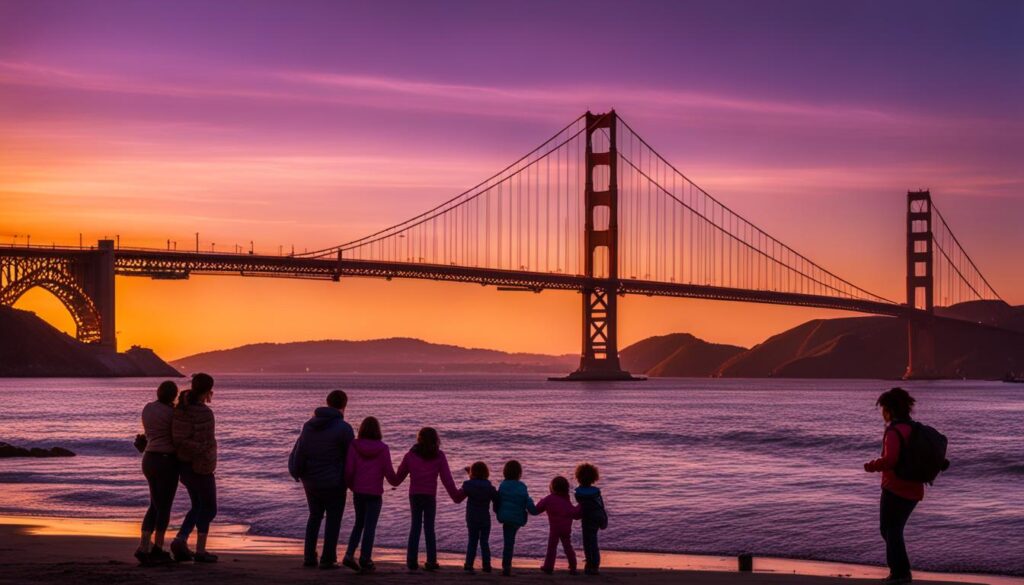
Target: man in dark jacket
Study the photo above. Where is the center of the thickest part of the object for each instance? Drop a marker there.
(318, 460)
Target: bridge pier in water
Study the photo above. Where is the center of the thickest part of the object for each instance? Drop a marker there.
(599, 360)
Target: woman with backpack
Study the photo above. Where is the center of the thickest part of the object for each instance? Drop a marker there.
(899, 495)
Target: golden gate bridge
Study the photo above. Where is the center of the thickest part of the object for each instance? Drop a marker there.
(593, 209)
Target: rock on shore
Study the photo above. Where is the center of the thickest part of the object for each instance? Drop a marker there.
(7, 450)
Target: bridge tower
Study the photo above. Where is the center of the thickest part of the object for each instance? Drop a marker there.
(920, 286)
(599, 359)
(82, 280)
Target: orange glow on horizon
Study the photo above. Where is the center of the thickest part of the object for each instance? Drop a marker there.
(180, 318)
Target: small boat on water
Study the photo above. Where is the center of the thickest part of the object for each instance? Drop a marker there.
(1013, 378)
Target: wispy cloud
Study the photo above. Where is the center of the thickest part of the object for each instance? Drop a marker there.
(332, 88)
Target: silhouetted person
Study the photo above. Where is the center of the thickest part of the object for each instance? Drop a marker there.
(482, 496)
(195, 442)
(594, 517)
(160, 466)
(318, 460)
(514, 502)
(899, 496)
(367, 465)
(561, 513)
(425, 463)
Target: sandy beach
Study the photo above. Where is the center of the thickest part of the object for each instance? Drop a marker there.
(55, 550)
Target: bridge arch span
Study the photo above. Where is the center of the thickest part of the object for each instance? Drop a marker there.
(56, 277)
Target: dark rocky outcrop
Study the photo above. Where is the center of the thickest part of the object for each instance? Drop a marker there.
(7, 450)
(981, 340)
(30, 347)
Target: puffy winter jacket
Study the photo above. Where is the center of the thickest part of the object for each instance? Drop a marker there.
(318, 457)
(367, 465)
(194, 438)
(514, 502)
(592, 507)
(481, 495)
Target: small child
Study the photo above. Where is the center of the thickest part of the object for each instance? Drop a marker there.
(481, 495)
(514, 502)
(561, 513)
(594, 516)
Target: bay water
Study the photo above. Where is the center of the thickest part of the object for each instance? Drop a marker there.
(707, 466)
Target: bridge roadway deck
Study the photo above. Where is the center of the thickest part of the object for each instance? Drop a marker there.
(173, 265)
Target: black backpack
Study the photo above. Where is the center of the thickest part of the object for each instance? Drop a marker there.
(922, 454)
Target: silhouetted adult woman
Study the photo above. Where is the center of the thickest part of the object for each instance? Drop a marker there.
(196, 445)
(899, 496)
(160, 466)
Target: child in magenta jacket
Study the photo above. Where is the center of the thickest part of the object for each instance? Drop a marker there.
(367, 465)
(561, 513)
(425, 463)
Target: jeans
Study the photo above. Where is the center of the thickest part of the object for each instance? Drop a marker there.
(479, 535)
(202, 491)
(424, 510)
(591, 551)
(553, 539)
(508, 549)
(367, 513)
(894, 512)
(161, 471)
(329, 501)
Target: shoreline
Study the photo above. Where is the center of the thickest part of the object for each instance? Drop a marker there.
(116, 539)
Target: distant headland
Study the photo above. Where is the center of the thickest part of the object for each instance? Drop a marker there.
(854, 347)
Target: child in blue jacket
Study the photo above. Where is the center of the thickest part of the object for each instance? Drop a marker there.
(514, 504)
(481, 495)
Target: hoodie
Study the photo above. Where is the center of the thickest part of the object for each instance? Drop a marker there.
(367, 465)
(424, 474)
(318, 457)
(514, 502)
(481, 495)
(592, 507)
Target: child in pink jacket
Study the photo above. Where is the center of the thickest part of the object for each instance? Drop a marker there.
(425, 463)
(561, 513)
(367, 465)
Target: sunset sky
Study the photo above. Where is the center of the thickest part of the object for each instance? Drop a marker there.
(312, 123)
